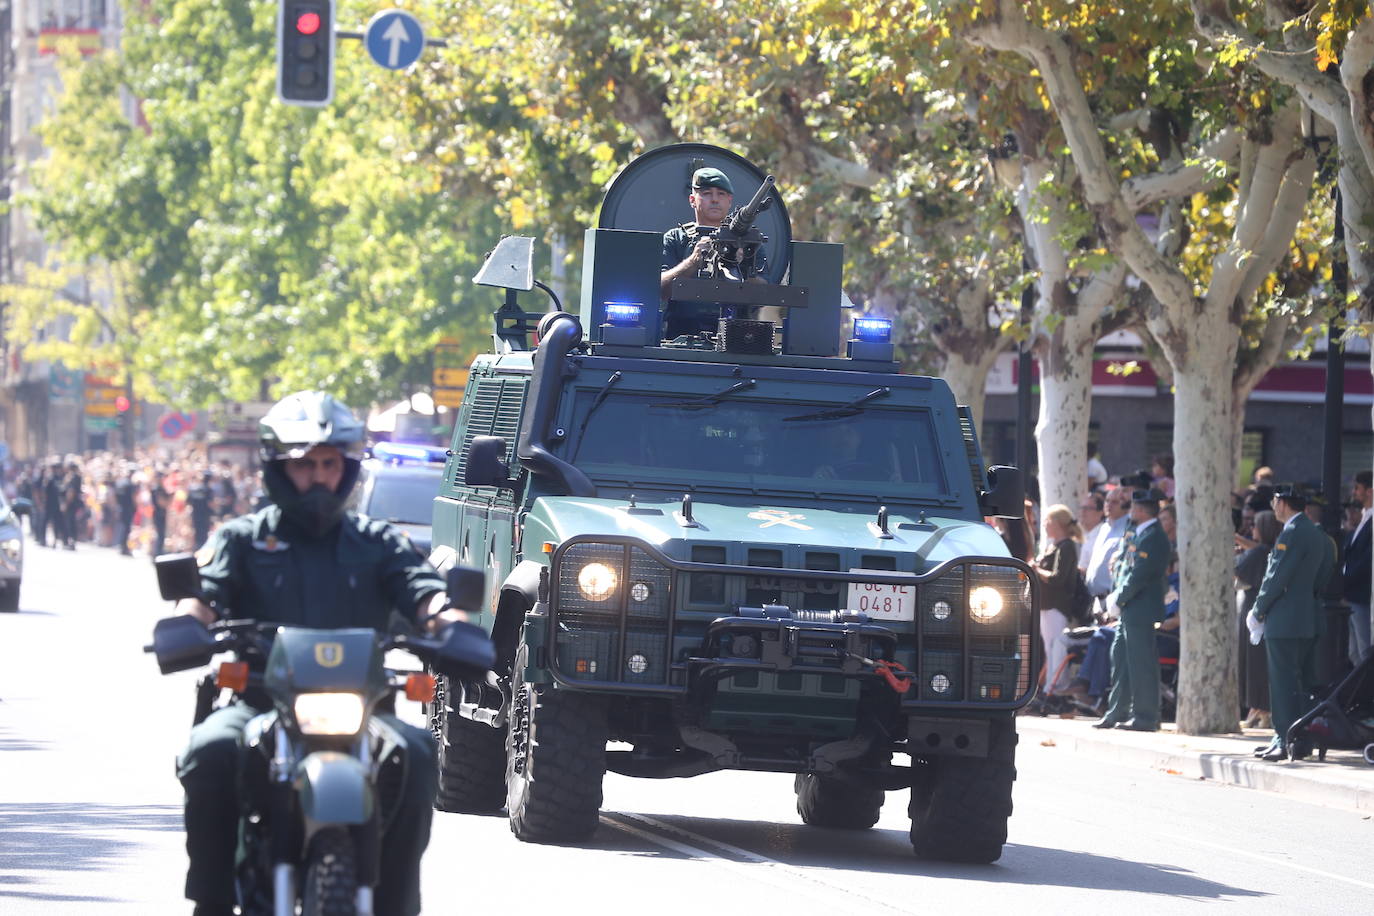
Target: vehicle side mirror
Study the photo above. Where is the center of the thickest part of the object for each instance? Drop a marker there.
(181, 643)
(1006, 493)
(486, 465)
(178, 576)
(467, 588)
(21, 506)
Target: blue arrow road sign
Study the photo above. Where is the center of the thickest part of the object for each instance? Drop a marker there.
(394, 39)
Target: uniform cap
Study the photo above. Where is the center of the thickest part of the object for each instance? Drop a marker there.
(1147, 496)
(1292, 494)
(711, 178)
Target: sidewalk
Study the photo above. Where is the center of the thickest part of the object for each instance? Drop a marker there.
(1344, 780)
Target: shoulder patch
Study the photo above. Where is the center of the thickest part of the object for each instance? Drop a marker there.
(271, 544)
(1144, 554)
(1280, 546)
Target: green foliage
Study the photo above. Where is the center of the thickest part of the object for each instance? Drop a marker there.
(261, 243)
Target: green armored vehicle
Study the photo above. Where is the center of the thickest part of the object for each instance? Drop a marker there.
(740, 549)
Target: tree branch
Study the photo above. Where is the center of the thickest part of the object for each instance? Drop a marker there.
(1186, 177)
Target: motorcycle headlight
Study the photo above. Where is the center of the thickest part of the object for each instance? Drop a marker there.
(984, 603)
(329, 713)
(596, 581)
(12, 547)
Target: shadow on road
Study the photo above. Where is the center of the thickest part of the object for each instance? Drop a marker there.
(70, 836)
(12, 742)
(889, 851)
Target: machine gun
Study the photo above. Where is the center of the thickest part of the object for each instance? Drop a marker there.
(735, 247)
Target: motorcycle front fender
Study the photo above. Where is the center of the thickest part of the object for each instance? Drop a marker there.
(333, 788)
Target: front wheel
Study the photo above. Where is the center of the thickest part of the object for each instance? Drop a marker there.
(330, 887)
(472, 758)
(823, 801)
(960, 805)
(555, 760)
(9, 596)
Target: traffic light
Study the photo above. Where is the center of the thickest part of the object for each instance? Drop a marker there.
(305, 52)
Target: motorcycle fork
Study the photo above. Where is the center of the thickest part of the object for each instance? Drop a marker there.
(283, 855)
(367, 839)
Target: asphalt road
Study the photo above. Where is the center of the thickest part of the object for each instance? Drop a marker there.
(90, 812)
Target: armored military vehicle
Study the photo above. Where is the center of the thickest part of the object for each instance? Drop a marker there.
(749, 549)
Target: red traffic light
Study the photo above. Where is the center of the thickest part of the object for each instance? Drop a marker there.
(308, 23)
(121, 403)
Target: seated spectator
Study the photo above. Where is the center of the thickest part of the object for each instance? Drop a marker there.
(1097, 471)
(1162, 472)
(1168, 520)
(1090, 519)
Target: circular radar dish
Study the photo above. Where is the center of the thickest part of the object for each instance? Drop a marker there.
(650, 195)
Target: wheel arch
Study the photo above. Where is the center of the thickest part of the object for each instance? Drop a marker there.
(518, 594)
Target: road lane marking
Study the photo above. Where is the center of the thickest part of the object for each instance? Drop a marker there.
(779, 874)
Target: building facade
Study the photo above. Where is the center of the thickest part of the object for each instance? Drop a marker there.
(42, 406)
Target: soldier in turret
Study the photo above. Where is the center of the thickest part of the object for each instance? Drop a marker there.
(687, 247)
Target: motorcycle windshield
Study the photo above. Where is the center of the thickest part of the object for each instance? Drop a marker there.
(305, 660)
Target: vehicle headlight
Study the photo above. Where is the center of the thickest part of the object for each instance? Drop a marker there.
(12, 547)
(596, 581)
(329, 713)
(984, 603)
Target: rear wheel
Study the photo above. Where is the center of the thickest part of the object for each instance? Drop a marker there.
(330, 887)
(555, 760)
(824, 801)
(472, 757)
(9, 596)
(960, 805)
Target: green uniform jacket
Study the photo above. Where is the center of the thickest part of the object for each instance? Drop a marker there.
(1290, 597)
(1142, 573)
(259, 567)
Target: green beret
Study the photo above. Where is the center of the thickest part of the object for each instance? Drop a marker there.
(711, 178)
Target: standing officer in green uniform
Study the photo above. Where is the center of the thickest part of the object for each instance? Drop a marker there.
(1289, 603)
(304, 561)
(686, 248)
(1142, 571)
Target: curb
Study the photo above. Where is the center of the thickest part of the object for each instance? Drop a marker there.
(1327, 784)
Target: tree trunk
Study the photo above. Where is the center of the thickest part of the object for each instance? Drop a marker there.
(1203, 450)
(968, 378)
(1061, 433)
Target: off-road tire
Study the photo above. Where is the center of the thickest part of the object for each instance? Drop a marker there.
(471, 759)
(330, 885)
(824, 801)
(555, 760)
(960, 805)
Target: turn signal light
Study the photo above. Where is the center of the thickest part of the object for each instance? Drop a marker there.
(233, 675)
(420, 688)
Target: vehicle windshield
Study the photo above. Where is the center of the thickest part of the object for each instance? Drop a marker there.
(407, 498)
(762, 445)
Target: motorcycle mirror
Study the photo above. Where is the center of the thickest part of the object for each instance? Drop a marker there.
(467, 588)
(178, 576)
(180, 643)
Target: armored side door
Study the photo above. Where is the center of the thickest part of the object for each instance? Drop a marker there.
(485, 532)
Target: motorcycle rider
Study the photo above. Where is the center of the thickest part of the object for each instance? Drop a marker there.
(305, 561)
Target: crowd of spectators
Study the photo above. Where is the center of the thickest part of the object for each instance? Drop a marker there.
(146, 503)
(1078, 557)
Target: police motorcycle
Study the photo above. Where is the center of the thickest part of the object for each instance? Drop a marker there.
(318, 766)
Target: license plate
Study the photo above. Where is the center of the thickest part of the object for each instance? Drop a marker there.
(881, 601)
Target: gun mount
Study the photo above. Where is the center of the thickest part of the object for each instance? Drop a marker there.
(735, 245)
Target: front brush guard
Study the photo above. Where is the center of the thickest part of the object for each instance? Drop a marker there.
(773, 642)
